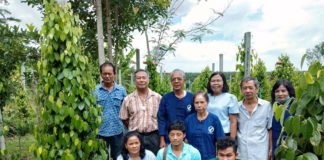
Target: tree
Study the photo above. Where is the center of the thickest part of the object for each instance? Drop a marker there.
(317, 53)
(155, 80)
(200, 82)
(260, 72)
(305, 129)
(285, 70)
(70, 118)
(101, 53)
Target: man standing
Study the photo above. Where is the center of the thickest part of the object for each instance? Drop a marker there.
(110, 96)
(254, 123)
(176, 105)
(178, 150)
(139, 111)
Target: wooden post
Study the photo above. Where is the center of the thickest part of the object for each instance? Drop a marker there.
(119, 77)
(23, 81)
(247, 49)
(132, 79)
(213, 67)
(221, 62)
(137, 59)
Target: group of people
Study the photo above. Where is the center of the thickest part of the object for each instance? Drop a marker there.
(181, 125)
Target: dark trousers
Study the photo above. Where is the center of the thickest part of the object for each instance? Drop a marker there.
(115, 145)
(151, 141)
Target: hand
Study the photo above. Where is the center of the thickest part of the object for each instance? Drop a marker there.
(162, 142)
(270, 155)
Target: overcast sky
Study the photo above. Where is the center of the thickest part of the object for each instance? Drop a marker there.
(277, 27)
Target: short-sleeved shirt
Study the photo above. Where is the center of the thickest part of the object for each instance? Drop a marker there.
(173, 108)
(141, 113)
(222, 106)
(188, 153)
(252, 133)
(204, 134)
(148, 156)
(111, 103)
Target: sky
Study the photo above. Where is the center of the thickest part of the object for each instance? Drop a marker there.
(277, 27)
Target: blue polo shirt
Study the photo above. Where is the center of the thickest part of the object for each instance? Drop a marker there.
(111, 103)
(172, 108)
(203, 135)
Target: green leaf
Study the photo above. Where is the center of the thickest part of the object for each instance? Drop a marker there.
(277, 110)
(289, 125)
(309, 78)
(316, 138)
(314, 67)
(81, 106)
(290, 154)
(310, 156)
(296, 124)
(307, 129)
(87, 101)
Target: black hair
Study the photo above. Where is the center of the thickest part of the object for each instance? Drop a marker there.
(202, 93)
(246, 79)
(285, 83)
(142, 70)
(225, 86)
(124, 151)
(107, 64)
(226, 142)
(177, 125)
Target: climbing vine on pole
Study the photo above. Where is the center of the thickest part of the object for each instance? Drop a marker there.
(69, 117)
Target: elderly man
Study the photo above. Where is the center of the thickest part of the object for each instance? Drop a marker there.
(139, 111)
(254, 123)
(110, 96)
(176, 105)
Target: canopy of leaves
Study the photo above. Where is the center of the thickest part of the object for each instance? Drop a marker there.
(315, 54)
(200, 83)
(285, 70)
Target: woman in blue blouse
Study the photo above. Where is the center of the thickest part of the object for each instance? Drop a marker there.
(203, 129)
(282, 93)
(222, 104)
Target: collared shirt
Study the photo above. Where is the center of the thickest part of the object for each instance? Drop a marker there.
(173, 108)
(252, 133)
(204, 134)
(222, 106)
(111, 103)
(141, 113)
(188, 153)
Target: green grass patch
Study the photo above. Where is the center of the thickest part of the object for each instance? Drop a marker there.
(13, 148)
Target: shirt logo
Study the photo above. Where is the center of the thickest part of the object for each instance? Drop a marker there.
(210, 130)
(189, 108)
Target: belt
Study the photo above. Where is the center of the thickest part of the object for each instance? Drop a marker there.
(148, 133)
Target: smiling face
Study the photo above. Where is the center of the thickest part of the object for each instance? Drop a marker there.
(141, 80)
(133, 145)
(107, 74)
(216, 84)
(249, 90)
(227, 154)
(281, 93)
(200, 103)
(177, 81)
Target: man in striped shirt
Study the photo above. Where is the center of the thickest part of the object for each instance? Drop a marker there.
(139, 111)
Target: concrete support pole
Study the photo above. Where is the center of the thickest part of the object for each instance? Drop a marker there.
(119, 77)
(221, 62)
(247, 49)
(138, 59)
(213, 67)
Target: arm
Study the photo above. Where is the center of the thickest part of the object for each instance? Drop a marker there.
(162, 119)
(270, 144)
(233, 123)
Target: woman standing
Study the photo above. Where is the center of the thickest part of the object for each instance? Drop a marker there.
(132, 148)
(222, 104)
(283, 93)
(203, 129)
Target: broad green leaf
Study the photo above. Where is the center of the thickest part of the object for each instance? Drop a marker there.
(314, 67)
(81, 106)
(309, 78)
(310, 156)
(277, 111)
(51, 99)
(316, 138)
(296, 124)
(307, 129)
(290, 154)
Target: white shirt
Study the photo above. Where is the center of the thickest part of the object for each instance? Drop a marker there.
(148, 156)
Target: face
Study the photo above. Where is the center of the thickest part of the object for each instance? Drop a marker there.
(216, 84)
(249, 90)
(281, 93)
(200, 103)
(141, 80)
(107, 74)
(177, 81)
(226, 154)
(176, 137)
(133, 145)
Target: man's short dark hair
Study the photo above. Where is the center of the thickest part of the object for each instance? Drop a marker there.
(226, 142)
(142, 70)
(107, 64)
(177, 125)
(246, 79)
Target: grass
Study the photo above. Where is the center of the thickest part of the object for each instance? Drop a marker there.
(12, 146)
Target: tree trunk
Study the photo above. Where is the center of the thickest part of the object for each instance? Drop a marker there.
(108, 15)
(116, 43)
(101, 53)
(147, 43)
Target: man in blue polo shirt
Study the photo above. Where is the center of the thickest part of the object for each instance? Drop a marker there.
(110, 96)
(176, 105)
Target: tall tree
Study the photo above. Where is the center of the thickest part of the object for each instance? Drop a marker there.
(317, 53)
(101, 53)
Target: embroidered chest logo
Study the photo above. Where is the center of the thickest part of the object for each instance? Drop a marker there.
(189, 108)
(210, 130)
